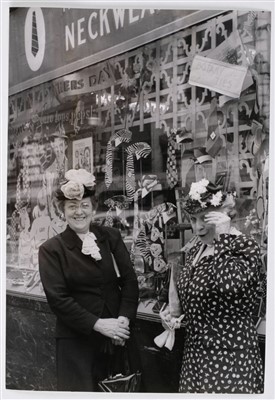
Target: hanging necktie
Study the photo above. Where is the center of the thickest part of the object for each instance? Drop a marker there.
(109, 164)
(140, 150)
(121, 136)
(109, 219)
(136, 216)
(171, 166)
(130, 173)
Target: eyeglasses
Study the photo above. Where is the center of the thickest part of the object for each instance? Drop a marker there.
(82, 206)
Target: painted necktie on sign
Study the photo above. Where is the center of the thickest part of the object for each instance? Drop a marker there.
(34, 35)
(140, 150)
(121, 136)
(171, 166)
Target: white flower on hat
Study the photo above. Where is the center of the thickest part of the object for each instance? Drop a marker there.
(77, 179)
(73, 190)
(216, 199)
(81, 176)
(198, 188)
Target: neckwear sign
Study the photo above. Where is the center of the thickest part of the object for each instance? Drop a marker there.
(35, 38)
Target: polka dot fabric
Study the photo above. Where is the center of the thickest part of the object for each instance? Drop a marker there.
(221, 352)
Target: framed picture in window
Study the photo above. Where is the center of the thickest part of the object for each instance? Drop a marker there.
(83, 154)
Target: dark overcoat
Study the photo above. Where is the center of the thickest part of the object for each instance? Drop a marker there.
(80, 289)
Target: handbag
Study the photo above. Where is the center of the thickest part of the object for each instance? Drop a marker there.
(124, 381)
(121, 383)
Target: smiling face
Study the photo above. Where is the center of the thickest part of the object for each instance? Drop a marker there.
(79, 214)
(59, 147)
(205, 231)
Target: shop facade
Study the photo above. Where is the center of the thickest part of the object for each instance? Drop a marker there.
(110, 91)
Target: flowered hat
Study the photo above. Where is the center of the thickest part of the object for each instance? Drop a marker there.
(205, 194)
(78, 184)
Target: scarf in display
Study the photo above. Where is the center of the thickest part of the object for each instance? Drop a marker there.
(115, 203)
(150, 239)
(121, 136)
(140, 150)
(89, 246)
(171, 165)
(147, 184)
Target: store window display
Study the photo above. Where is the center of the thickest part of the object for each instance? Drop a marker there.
(152, 134)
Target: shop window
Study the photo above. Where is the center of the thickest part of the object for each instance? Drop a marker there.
(145, 92)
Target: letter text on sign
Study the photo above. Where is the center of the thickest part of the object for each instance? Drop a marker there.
(69, 36)
(216, 75)
(119, 17)
(104, 22)
(92, 34)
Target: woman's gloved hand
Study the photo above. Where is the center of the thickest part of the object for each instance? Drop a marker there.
(221, 220)
(165, 317)
(169, 323)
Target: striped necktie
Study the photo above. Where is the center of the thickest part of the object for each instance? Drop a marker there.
(35, 47)
(122, 136)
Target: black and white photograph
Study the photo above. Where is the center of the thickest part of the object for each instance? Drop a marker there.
(136, 212)
(83, 154)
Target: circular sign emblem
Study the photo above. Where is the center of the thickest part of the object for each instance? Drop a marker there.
(35, 38)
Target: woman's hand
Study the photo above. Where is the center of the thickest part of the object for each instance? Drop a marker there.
(166, 317)
(112, 328)
(123, 321)
(221, 220)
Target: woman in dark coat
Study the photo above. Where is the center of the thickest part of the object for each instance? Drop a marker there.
(217, 289)
(94, 308)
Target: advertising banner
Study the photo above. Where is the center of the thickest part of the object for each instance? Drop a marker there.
(43, 40)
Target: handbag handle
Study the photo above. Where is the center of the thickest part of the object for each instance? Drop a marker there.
(115, 266)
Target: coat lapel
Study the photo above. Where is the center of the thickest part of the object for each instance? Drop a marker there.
(71, 239)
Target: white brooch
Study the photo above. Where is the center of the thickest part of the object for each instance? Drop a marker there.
(89, 246)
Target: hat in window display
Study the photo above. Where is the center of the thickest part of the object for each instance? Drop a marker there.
(258, 136)
(59, 132)
(184, 136)
(215, 119)
(201, 156)
(214, 144)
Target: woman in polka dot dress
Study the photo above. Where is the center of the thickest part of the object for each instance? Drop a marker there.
(217, 290)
